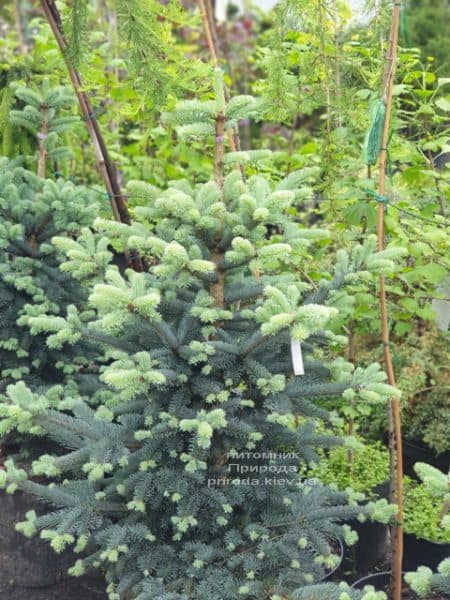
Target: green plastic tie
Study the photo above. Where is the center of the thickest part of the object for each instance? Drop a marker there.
(374, 135)
(378, 197)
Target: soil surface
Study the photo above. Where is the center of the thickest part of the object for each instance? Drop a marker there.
(30, 569)
(67, 590)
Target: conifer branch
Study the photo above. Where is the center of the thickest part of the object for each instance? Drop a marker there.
(25, 248)
(252, 344)
(109, 340)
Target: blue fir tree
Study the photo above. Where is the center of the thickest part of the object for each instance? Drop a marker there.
(32, 211)
(185, 484)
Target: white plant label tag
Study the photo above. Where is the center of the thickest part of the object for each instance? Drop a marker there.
(297, 358)
(221, 10)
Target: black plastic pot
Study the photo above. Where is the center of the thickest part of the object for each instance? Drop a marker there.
(371, 547)
(30, 569)
(414, 452)
(373, 539)
(417, 552)
(378, 580)
(340, 549)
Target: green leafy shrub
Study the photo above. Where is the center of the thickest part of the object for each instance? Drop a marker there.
(424, 378)
(361, 468)
(426, 505)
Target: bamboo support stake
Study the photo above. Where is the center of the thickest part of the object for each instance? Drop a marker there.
(337, 63)
(217, 289)
(52, 14)
(210, 33)
(218, 160)
(104, 163)
(42, 136)
(395, 433)
(20, 28)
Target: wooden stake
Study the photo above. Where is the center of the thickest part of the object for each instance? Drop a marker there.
(211, 37)
(219, 149)
(395, 433)
(42, 136)
(20, 28)
(217, 289)
(208, 32)
(104, 163)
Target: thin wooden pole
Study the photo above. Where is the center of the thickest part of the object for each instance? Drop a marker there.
(42, 135)
(395, 433)
(20, 27)
(210, 34)
(104, 163)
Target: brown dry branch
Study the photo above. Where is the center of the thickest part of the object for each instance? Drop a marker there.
(105, 166)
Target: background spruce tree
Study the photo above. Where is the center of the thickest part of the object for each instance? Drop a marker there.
(12, 143)
(32, 211)
(40, 126)
(152, 488)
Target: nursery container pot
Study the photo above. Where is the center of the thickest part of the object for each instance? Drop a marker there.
(419, 551)
(373, 538)
(415, 452)
(340, 548)
(30, 569)
(380, 581)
